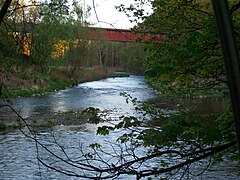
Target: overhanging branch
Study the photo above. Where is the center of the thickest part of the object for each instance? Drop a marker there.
(127, 167)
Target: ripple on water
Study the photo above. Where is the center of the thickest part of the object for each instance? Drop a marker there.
(18, 153)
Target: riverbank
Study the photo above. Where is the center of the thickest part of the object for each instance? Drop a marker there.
(103, 94)
(32, 80)
(37, 84)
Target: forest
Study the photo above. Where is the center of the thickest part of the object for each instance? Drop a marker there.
(53, 42)
(45, 46)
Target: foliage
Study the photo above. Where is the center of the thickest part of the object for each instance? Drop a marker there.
(183, 136)
(188, 60)
(49, 34)
(29, 34)
(160, 144)
(131, 56)
(35, 27)
(2, 126)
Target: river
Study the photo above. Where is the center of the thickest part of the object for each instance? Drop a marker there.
(18, 153)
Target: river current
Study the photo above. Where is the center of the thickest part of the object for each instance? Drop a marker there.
(18, 155)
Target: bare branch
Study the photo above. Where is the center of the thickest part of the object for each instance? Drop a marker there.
(128, 162)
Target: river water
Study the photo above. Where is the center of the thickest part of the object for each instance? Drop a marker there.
(104, 94)
(18, 155)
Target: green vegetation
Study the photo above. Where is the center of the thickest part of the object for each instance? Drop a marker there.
(53, 81)
(2, 126)
(46, 47)
(34, 121)
(188, 62)
(49, 121)
(120, 74)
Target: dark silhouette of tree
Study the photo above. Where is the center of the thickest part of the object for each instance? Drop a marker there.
(4, 8)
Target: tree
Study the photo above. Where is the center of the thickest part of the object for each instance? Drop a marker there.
(131, 56)
(188, 58)
(158, 144)
(29, 34)
(231, 57)
(5, 5)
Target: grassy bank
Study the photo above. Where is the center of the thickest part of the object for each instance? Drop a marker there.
(32, 80)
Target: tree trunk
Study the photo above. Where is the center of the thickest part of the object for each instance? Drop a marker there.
(4, 9)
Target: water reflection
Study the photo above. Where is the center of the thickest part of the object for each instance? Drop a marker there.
(206, 105)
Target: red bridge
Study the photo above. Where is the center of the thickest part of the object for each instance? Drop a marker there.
(122, 35)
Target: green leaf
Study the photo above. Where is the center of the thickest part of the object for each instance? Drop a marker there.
(94, 120)
(91, 110)
(104, 130)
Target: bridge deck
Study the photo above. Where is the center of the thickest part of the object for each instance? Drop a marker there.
(121, 35)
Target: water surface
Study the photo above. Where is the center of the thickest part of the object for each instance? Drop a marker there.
(18, 153)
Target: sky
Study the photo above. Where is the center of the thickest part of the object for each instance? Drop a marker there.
(107, 13)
